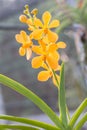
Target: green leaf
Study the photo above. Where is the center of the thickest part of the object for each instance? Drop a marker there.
(33, 97)
(62, 100)
(17, 127)
(78, 112)
(29, 122)
(81, 122)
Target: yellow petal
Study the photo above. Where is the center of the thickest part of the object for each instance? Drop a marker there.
(52, 47)
(61, 45)
(37, 34)
(18, 38)
(37, 62)
(45, 39)
(56, 55)
(22, 51)
(31, 28)
(37, 49)
(43, 75)
(29, 22)
(23, 35)
(45, 66)
(43, 44)
(54, 23)
(52, 61)
(46, 18)
(38, 23)
(52, 36)
(59, 68)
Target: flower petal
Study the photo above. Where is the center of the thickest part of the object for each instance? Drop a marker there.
(52, 36)
(61, 45)
(37, 62)
(29, 22)
(45, 39)
(38, 23)
(56, 55)
(23, 35)
(43, 75)
(37, 49)
(22, 51)
(37, 34)
(31, 28)
(18, 38)
(28, 53)
(54, 23)
(52, 61)
(46, 18)
(43, 44)
(52, 47)
(45, 66)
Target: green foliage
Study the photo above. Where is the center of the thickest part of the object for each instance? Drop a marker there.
(62, 122)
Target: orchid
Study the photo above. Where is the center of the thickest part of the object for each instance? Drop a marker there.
(47, 58)
(26, 42)
(44, 28)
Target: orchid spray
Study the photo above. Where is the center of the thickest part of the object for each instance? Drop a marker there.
(46, 57)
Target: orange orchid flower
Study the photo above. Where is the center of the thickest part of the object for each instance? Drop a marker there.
(47, 53)
(47, 48)
(47, 73)
(44, 28)
(26, 42)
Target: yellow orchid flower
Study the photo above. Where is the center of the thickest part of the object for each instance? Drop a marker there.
(47, 73)
(47, 48)
(47, 53)
(44, 28)
(26, 42)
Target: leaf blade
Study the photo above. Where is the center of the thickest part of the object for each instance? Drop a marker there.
(31, 96)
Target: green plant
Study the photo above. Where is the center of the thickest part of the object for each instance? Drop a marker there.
(48, 59)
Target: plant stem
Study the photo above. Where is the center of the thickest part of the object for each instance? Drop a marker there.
(62, 98)
(55, 78)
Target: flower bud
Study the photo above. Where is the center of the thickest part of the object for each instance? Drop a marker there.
(26, 7)
(23, 18)
(34, 11)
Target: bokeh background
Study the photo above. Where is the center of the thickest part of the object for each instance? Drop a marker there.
(73, 31)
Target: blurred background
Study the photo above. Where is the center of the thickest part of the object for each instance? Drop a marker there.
(73, 30)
